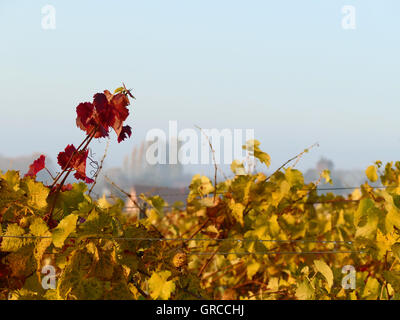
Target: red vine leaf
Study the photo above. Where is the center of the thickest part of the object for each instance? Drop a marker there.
(125, 133)
(36, 166)
(76, 160)
(107, 111)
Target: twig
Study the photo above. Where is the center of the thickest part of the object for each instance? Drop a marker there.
(49, 173)
(199, 229)
(72, 156)
(88, 139)
(222, 269)
(100, 168)
(205, 265)
(290, 160)
(215, 162)
(144, 294)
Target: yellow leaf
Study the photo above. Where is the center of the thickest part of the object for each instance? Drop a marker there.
(237, 211)
(325, 270)
(64, 229)
(326, 174)
(304, 291)
(38, 227)
(37, 194)
(159, 287)
(384, 243)
(252, 268)
(12, 243)
(371, 289)
(371, 173)
(238, 168)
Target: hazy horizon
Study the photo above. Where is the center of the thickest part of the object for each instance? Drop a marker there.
(286, 69)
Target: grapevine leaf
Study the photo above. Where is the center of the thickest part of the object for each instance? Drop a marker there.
(326, 174)
(9, 243)
(393, 277)
(238, 168)
(37, 193)
(371, 289)
(160, 287)
(325, 270)
(396, 250)
(64, 229)
(13, 179)
(237, 211)
(97, 223)
(38, 227)
(371, 173)
(252, 268)
(36, 166)
(200, 186)
(294, 177)
(304, 291)
(252, 146)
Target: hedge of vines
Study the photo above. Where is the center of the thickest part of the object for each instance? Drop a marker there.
(252, 236)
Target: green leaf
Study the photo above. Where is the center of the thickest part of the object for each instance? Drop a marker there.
(364, 207)
(325, 270)
(366, 219)
(96, 224)
(70, 201)
(294, 177)
(396, 250)
(372, 173)
(393, 277)
(157, 202)
(160, 287)
(64, 229)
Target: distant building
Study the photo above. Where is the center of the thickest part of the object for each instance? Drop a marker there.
(340, 178)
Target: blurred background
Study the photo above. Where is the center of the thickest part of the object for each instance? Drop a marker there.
(288, 69)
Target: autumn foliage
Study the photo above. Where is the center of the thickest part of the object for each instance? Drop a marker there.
(251, 236)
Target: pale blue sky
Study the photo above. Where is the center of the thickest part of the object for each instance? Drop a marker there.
(285, 68)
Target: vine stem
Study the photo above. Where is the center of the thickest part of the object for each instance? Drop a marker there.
(86, 143)
(88, 137)
(292, 159)
(205, 265)
(215, 162)
(134, 202)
